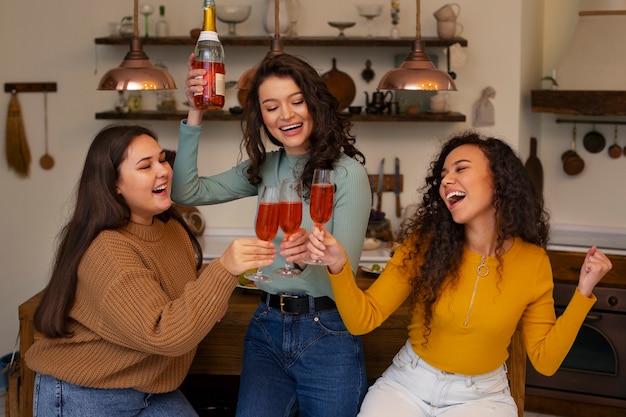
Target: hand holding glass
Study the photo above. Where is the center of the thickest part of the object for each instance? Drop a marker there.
(322, 201)
(289, 218)
(266, 225)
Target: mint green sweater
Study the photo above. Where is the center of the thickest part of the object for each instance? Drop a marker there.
(348, 224)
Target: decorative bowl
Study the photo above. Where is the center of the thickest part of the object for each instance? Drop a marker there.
(369, 11)
(233, 13)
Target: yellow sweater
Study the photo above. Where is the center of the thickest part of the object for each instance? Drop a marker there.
(141, 309)
(472, 341)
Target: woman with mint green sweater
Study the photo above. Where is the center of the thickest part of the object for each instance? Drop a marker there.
(298, 357)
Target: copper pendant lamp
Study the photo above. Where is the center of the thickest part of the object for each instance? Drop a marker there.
(136, 72)
(276, 48)
(417, 72)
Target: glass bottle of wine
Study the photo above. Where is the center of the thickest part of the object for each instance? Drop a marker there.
(209, 55)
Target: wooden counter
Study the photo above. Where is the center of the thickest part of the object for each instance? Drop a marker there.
(221, 352)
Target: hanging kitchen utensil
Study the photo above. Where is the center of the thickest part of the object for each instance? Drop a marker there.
(615, 151)
(569, 152)
(379, 190)
(573, 164)
(397, 186)
(17, 150)
(368, 73)
(594, 141)
(46, 161)
(534, 168)
(341, 86)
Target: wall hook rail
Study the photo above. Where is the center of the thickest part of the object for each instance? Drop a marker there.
(591, 122)
(30, 87)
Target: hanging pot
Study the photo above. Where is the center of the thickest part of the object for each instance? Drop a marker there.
(594, 141)
(341, 86)
(615, 151)
(573, 164)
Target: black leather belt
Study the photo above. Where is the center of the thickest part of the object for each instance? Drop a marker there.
(297, 303)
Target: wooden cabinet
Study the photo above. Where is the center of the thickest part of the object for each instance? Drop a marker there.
(221, 352)
(566, 267)
(312, 41)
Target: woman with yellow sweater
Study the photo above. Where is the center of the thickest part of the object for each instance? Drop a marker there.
(128, 300)
(473, 263)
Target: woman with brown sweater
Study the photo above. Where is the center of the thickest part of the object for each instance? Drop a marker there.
(129, 299)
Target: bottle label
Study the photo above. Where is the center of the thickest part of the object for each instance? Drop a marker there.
(207, 35)
(220, 84)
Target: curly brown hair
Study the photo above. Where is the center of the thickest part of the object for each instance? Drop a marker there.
(437, 241)
(331, 129)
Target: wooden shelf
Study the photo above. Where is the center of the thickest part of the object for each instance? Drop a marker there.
(301, 41)
(579, 102)
(317, 41)
(222, 115)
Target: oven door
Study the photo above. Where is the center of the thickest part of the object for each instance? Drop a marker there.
(596, 363)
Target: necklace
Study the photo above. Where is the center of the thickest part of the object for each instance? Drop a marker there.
(481, 271)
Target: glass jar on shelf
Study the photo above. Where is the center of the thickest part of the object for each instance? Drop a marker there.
(127, 28)
(165, 98)
(121, 104)
(135, 101)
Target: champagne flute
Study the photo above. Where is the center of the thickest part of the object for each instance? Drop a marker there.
(289, 218)
(266, 225)
(322, 200)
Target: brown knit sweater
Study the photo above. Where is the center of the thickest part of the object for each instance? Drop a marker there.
(141, 309)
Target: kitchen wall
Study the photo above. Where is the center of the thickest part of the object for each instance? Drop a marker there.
(510, 48)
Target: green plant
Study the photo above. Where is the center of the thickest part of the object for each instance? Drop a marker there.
(550, 78)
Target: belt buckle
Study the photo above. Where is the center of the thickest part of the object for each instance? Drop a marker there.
(281, 302)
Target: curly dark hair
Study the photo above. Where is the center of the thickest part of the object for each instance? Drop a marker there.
(437, 241)
(331, 129)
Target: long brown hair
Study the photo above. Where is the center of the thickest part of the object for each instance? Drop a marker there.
(331, 129)
(438, 241)
(98, 207)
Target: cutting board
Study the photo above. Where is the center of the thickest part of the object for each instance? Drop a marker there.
(340, 85)
(534, 168)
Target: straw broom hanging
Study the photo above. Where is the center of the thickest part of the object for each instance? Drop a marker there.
(17, 150)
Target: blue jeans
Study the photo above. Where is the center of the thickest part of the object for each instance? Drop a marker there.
(55, 398)
(306, 363)
(412, 388)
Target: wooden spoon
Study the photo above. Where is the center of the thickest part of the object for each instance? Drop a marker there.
(46, 161)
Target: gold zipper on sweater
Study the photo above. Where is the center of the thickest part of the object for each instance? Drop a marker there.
(481, 271)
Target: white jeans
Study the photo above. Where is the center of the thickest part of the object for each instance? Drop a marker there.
(412, 388)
